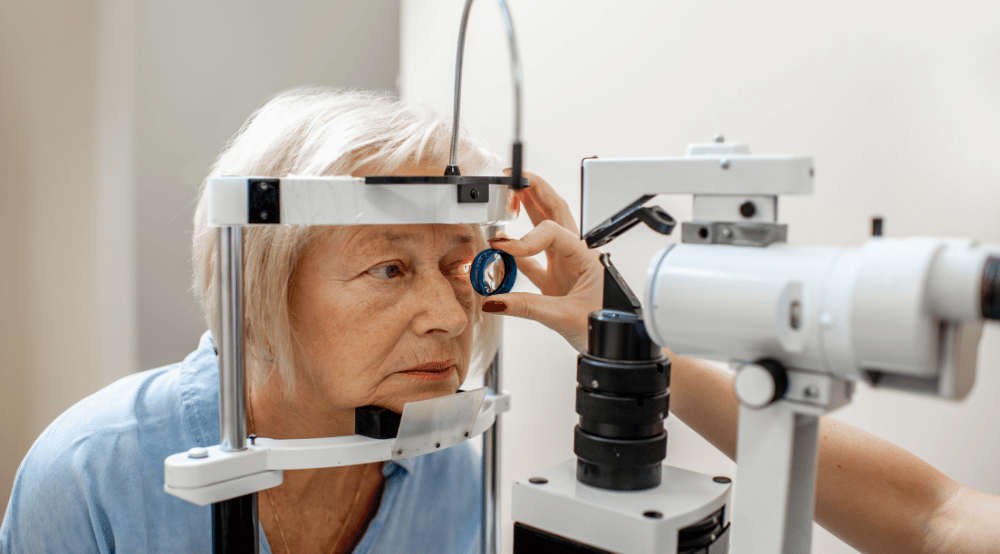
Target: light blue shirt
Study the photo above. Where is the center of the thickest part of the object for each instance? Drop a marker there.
(93, 481)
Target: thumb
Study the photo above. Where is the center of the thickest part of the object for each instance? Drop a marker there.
(559, 313)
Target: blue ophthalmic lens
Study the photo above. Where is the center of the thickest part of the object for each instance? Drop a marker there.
(493, 272)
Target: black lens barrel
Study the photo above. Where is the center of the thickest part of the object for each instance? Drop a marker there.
(622, 399)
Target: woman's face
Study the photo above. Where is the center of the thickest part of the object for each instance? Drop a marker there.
(382, 314)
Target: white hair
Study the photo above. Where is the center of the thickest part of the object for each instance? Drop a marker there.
(313, 131)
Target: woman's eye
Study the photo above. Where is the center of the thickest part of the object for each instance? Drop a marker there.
(460, 269)
(387, 271)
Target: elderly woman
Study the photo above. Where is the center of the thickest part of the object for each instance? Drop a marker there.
(338, 318)
(335, 318)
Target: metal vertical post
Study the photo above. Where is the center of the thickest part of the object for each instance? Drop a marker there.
(490, 537)
(234, 521)
(232, 411)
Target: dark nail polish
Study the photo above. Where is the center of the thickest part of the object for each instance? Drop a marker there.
(494, 306)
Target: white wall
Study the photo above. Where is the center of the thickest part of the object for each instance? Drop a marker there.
(898, 102)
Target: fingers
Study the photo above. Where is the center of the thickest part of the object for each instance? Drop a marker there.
(534, 271)
(542, 202)
(546, 236)
(557, 313)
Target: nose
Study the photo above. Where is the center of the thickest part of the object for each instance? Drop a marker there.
(438, 308)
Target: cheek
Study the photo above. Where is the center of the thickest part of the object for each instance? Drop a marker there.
(344, 330)
(464, 293)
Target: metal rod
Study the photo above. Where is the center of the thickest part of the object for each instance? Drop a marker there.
(232, 410)
(234, 526)
(490, 537)
(234, 521)
(515, 69)
(458, 83)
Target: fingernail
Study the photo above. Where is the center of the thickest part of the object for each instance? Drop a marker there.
(494, 306)
(508, 170)
(499, 239)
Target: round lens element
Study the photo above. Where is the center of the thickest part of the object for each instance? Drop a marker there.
(493, 272)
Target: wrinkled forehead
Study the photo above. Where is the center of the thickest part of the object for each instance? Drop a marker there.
(443, 236)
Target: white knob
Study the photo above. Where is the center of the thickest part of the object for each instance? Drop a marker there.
(758, 386)
(197, 453)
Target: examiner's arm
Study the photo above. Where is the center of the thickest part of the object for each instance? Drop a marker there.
(871, 493)
(874, 495)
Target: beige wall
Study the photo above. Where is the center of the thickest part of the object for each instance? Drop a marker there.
(52, 349)
(898, 102)
(203, 68)
(110, 113)
(66, 119)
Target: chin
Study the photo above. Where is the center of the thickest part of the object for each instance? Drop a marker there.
(418, 390)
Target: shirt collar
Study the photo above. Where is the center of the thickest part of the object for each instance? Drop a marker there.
(405, 466)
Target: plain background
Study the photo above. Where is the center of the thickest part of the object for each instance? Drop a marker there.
(112, 110)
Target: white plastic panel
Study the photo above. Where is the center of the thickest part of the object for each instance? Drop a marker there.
(228, 201)
(426, 426)
(861, 312)
(609, 185)
(890, 325)
(437, 423)
(226, 490)
(349, 201)
(721, 207)
(614, 520)
(955, 280)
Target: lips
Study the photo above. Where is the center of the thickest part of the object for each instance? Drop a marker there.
(433, 371)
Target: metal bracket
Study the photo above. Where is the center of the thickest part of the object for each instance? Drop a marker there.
(473, 194)
(650, 521)
(264, 201)
(777, 448)
(736, 234)
(207, 475)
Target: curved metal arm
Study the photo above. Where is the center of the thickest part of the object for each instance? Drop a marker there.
(515, 66)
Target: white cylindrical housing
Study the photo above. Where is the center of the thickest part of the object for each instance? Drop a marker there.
(956, 281)
(838, 310)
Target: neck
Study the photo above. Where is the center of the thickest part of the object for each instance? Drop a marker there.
(303, 415)
(274, 414)
(313, 510)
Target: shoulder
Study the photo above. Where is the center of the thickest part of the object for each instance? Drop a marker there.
(99, 466)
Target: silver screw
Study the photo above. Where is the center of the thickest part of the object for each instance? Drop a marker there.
(727, 232)
(720, 138)
(264, 186)
(594, 384)
(811, 391)
(724, 164)
(263, 214)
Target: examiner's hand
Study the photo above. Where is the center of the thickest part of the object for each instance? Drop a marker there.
(572, 281)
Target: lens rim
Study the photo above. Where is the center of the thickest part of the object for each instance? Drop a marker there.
(477, 273)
